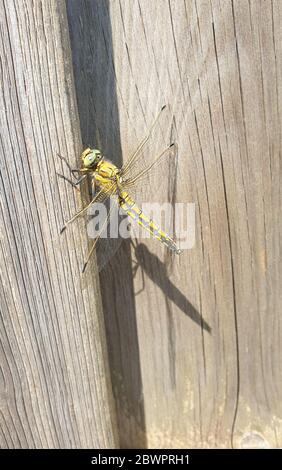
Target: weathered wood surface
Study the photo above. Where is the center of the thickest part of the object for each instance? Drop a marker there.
(54, 372)
(218, 63)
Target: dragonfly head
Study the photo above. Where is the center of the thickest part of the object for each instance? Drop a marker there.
(91, 158)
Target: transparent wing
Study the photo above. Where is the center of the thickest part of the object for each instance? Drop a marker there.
(154, 182)
(101, 216)
(150, 174)
(108, 237)
(151, 180)
(158, 138)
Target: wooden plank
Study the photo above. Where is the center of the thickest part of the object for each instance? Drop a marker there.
(54, 373)
(178, 383)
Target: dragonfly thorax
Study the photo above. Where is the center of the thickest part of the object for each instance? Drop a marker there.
(107, 169)
(107, 175)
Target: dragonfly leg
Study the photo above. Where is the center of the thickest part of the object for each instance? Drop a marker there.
(75, 184)
(73, 171)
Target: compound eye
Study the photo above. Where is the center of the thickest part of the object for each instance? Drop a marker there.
(89, 160)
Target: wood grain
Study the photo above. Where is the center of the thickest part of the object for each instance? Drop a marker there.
(195, 355)
(55, 390)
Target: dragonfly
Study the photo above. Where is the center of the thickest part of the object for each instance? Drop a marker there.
(109, 181)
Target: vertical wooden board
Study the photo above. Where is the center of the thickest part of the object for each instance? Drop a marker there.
(54, 386)
(257, 269)
(194, 355)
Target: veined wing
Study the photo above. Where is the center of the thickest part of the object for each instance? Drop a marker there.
(155, 175)
(152, 150)
(150, 173)
(134, 157)
(102, 227)
(100, 196)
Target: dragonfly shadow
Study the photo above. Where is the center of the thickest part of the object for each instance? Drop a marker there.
(157, 271)
(95, 80)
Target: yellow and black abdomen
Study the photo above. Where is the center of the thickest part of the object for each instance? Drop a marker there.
(133, 211)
